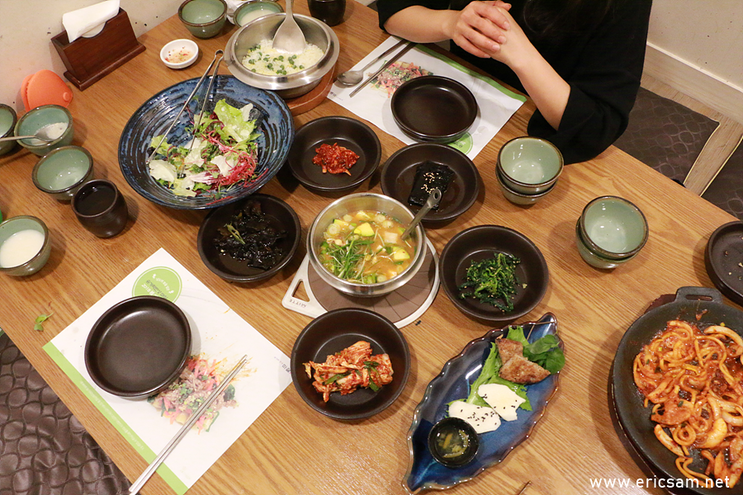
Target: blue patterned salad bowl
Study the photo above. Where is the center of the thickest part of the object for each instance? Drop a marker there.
(274, 125)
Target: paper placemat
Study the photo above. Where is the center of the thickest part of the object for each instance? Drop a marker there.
(218, 334)
(497, 104)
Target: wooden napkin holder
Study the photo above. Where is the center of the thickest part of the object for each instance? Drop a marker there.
(89, 59)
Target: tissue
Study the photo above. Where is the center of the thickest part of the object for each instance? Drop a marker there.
(89, 21)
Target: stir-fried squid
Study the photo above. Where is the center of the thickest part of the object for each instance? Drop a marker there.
(693, 379)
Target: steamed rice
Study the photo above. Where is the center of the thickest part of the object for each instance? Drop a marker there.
(265, 59)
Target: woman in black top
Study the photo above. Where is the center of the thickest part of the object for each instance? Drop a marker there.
(580, 61)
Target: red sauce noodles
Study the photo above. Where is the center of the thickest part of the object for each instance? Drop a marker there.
(692, 378)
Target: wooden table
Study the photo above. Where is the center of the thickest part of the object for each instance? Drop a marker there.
(291, 448)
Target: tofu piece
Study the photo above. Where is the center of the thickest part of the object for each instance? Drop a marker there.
(482, 419)
(508, 348)
(518, 369)
(502, 399)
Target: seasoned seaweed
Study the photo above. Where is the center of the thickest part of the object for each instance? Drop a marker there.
(428, 176)
(250, 237)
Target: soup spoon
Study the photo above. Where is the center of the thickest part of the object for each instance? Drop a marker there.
(41, 135)
(433, 200)
(353, 77)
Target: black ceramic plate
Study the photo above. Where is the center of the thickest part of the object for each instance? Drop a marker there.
(345, 131)
(484, 241)
(701, 305)
(138, 347)
(398, 175)
(333, 332)
(724, 260)
(280, 216)
(434, 108)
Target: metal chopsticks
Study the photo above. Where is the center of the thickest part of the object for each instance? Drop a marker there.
(218, 56)
(147, 474)
(392, 60)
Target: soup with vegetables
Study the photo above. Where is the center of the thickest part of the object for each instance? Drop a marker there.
(365, 247)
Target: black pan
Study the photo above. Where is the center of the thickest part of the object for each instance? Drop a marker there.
(138, 347)
(701, 305)
(723, 257)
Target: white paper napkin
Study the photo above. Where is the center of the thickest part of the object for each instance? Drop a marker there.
(89, 21)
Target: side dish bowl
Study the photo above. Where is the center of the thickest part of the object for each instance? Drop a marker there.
(356, 202)
(344, 131)
(275, 125)
(398, 176)
(482, 242)
(179, 54)
(333, 332)
(280, 217)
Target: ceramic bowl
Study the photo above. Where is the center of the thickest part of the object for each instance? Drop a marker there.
(179, 54)
(62, 171)
(46, 115)
(8, 119)
(613, 227)
(484, 242)
(591, 257)
(203, 18)
(399, 172)
(253, 9)
(291, 85)
(344, 131)
(519, 198)
(350, 204)
(529, 165)
(24, 245)
(279, 215)
(450, 426)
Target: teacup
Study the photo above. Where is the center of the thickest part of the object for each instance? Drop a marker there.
(613, 227)
(62, 171)
(529, 165)
(203, 18)
(520, 198)
(100, 208)
(55, 121)
(8, 119)
(25, 245)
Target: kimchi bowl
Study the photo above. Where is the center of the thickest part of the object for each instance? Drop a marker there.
(380, 253)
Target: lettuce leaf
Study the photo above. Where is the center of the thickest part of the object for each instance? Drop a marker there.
(234, 124)
(489, 374)
(545, 351)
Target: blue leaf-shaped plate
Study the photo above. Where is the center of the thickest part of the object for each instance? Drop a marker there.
(424, 473)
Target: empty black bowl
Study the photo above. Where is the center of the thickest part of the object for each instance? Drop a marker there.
(398, 175)
(280, 216)
(434, 108)
(333, 332)
(344, 131)
(482, 242)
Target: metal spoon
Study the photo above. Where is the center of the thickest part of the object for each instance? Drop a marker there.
(42, 135)
(433, 200)
(289, 36)
(353, 77)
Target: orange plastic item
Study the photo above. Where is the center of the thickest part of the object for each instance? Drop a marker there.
(45, 88)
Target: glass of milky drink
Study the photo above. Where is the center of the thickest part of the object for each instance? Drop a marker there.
(24, 245)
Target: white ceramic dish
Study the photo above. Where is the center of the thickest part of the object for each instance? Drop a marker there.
(179, 54)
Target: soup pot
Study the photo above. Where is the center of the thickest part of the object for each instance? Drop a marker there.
(350, 204)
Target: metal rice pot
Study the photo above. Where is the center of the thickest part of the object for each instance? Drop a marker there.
(287, 86)
(351, 204)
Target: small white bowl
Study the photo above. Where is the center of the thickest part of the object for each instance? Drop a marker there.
(179, 54)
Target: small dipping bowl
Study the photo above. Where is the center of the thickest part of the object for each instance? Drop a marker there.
(529, 165)
(453, 442)
(57, 117)
(24, 245)
(62, 171)
(591, 257)
(519, 198)
(253, 9)
(203, 18)
(179, 54)
(8, 120)
(613, 228)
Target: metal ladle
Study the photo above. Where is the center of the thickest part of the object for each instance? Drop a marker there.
(433, 200)
(289, 37)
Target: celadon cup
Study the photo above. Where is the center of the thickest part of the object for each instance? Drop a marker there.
(529, 165)
(519, 198)
(25, 245)
(39, 117)
(8, 120)
(613, 227)
(62, 171)
(203, 18)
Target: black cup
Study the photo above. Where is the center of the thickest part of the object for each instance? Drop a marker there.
(100, 208)
(329, 11)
